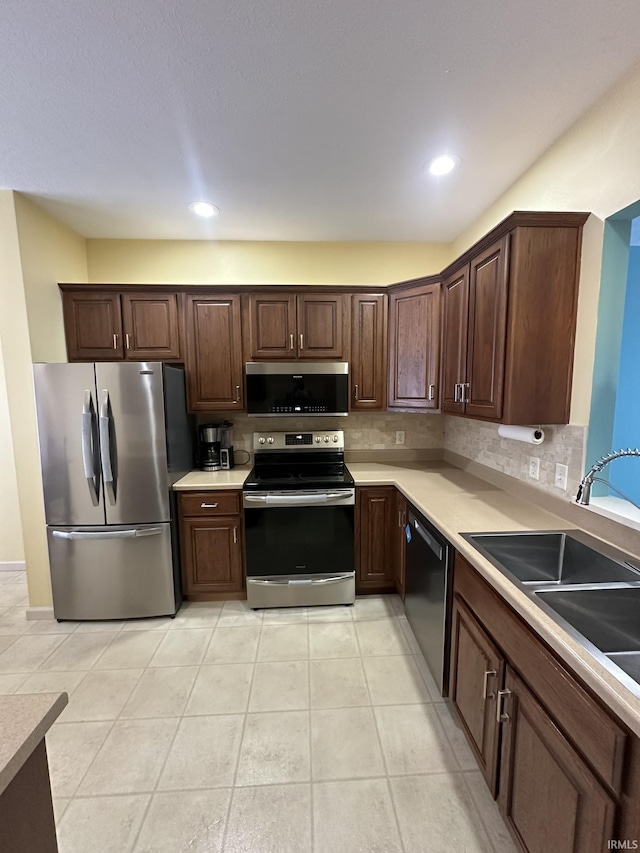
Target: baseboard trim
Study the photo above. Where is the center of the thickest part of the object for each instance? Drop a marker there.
(37, 613)
(12, 566)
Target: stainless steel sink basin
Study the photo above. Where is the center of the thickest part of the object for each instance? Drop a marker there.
(608, 618)
(556, 557)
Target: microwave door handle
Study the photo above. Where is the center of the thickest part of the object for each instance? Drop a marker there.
(87, 446)
(105, 445)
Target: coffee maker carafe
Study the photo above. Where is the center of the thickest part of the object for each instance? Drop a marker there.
(208, 451)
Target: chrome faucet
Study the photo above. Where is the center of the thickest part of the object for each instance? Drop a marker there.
(584, 491)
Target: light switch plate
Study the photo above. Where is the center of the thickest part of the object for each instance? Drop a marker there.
(562, 474)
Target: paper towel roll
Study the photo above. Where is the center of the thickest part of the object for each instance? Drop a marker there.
(520, 433)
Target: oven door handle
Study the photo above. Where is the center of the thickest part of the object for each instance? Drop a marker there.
(297, 500)
(301, 581)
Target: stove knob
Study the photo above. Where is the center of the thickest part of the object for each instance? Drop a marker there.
(270, 440)
(326, 439)
(318, 439)
(335, 437)
(261, 440)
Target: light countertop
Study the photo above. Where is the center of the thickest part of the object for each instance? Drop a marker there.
(24, 721)
(457, 502)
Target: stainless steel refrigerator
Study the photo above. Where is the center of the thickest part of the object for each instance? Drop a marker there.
(113, 439)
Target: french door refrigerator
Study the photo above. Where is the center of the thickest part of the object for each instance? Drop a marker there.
(113, 439)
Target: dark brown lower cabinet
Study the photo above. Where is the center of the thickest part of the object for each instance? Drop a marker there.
(477, 671)
(210, 547)
(565, 772)
(376, 536)
(549, 796)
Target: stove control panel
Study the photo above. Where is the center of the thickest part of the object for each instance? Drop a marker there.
(292, 441)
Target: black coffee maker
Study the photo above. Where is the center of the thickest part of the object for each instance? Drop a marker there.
(208, 450)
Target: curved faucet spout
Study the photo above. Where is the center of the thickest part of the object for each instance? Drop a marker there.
(584, 490)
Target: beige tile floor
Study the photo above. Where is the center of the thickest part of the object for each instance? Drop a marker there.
(226, 730)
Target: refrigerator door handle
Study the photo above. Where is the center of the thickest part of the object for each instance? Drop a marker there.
(107, 534)
(87, 446)
(105, 444)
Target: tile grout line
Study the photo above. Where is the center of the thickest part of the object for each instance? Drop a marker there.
(380, 746)
(477, 810)
(223, 841)
(175, 734)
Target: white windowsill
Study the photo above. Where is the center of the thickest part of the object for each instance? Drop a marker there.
(616, 509)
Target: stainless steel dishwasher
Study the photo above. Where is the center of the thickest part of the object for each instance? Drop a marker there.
(427, 593)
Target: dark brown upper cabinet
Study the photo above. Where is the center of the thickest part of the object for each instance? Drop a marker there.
(368, 366)
(298, 326)
(111, 326)
(509, 316)
(414, 346)
(214, 365)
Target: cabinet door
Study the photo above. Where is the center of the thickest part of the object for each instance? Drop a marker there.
(548, 796)
(368, 366)
(211, 551)
(477, 671)
(414, 347)
(487, 332)
(400, 541)
(272, 326)
(375, 537)
(151, 328)
(93, 326)
(455, 311)
(321, 326)
(214, 354)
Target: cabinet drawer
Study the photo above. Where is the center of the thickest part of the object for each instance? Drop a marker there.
(209, 503)
(593, 732)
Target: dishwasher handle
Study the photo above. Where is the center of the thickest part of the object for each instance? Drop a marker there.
(431, 541)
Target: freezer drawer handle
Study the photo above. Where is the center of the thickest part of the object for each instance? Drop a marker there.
(105, 445)
(107, 534)
(87, 446)
(431, 542)
(300, 582)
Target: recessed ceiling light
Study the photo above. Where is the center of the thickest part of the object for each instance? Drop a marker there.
(443, 164)
(203, 208)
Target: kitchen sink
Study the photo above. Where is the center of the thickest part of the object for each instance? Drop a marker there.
(554, 557)
(608, 618)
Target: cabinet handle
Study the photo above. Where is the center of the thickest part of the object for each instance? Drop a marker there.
(501, 715)
(127, 340)
(237, 393)
(432, 392)
(301, 341)
(208, 506)
(291, 340)
(399, 518)
(115, 341)
(490, 673)
(456, 393)
(464, 387)
(235, 535)
(355, 393)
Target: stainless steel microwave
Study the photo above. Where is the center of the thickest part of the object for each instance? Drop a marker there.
(297, 388)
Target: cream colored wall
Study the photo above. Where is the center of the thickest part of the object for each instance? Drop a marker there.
(593, 167)
(229, 262)
(49, 252)
(11, 548)
(36, 251)
(16, 354)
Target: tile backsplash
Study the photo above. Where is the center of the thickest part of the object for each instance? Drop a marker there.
(480, 442)
(363, 430)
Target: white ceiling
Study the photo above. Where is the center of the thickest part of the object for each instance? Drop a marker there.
(301, 120)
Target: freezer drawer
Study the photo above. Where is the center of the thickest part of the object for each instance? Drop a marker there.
(115, 572)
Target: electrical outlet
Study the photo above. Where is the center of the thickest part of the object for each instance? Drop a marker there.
(399, 436)
(534, 467)
(562, 473)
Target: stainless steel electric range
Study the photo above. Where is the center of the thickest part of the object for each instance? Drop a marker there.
(299, 504)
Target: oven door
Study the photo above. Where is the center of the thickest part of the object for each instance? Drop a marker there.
(300, 548)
